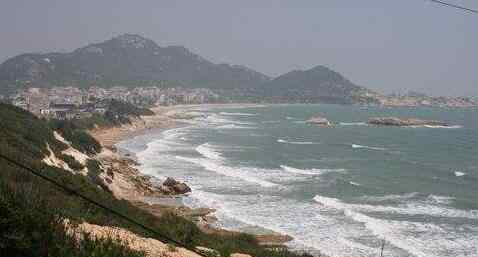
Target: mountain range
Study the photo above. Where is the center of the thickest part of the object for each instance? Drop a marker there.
(128, 59)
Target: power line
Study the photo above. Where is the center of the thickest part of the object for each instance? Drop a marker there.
(74, 192)
(455, 6)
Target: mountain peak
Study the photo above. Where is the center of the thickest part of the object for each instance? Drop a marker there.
(320, 68)
(126, 57)
(133, 41)
(129, 35)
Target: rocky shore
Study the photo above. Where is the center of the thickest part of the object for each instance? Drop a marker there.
(125, 181)
(401, 122)
(318, 120)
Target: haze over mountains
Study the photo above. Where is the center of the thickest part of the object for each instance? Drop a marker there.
(128, 59)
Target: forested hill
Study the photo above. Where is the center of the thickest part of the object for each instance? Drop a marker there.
(316, 85)
(126, 59)
(131, 60)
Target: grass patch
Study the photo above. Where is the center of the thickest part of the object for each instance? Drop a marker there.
(72, 162)
(30, 226)
(18, 142)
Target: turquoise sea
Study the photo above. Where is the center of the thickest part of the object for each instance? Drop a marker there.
(342, 190)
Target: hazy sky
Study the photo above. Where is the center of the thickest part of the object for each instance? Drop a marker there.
(387, 45)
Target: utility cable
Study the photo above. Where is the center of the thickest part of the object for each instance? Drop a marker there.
(100, 205)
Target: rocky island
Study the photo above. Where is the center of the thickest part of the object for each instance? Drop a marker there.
(321, 121)
(405, 122)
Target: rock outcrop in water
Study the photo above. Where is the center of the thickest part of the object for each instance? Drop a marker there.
(399, 122)
(321, 121)
(171, 186)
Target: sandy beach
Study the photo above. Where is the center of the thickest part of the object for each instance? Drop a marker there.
(164, 118)
(108, 137)
(131, 185)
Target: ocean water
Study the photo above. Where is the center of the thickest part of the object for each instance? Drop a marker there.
(343, 190)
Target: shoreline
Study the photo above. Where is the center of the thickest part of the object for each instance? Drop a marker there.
(137, 194)
(161, 120)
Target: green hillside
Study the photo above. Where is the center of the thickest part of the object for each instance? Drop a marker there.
(126, 59)
(134, 61)
(32, 210)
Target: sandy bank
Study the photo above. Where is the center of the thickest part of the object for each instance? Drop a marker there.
(128, 183)
(108, 137)
(163, 119)
(150, 246)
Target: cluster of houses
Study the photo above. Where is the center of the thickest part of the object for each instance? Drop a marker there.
(72, 102)
(421, 100)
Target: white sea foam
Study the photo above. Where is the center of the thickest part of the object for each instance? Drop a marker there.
(234, 126)
(209, 152)
(441, 199)
(214, 118)
(173, 133)
(427, 240)
(391, 232)
(434, 127)
(421, 239)
(311, 224)
(238, 114)
(309, 171)
(341, 235)
(412, 208)
(444, 127)
(170, 139)
(393, 197)
(296, 142)
(316, 230)
(460, 173)
(300, 171)
(355, 146)
(242, 173)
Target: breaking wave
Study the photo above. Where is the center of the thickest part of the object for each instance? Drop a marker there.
(309, 171)
(234, 126)
(441, 199)
(238, 114)
(209, 152)
(296, 142)
(242, 173)
(355, 146)
(386, 198)
(429, 239)
(412, 208)
(444, 127)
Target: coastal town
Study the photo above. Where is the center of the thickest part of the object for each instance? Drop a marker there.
(414, 99)
(76, 103)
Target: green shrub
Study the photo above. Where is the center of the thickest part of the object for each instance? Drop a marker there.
(171, 248)
(72, 162)
(77, 136)
(21, 129)
(34, 199)
(126, 109)
(29, 226)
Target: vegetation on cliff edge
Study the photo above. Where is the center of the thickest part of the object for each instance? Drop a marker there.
(24, 138)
